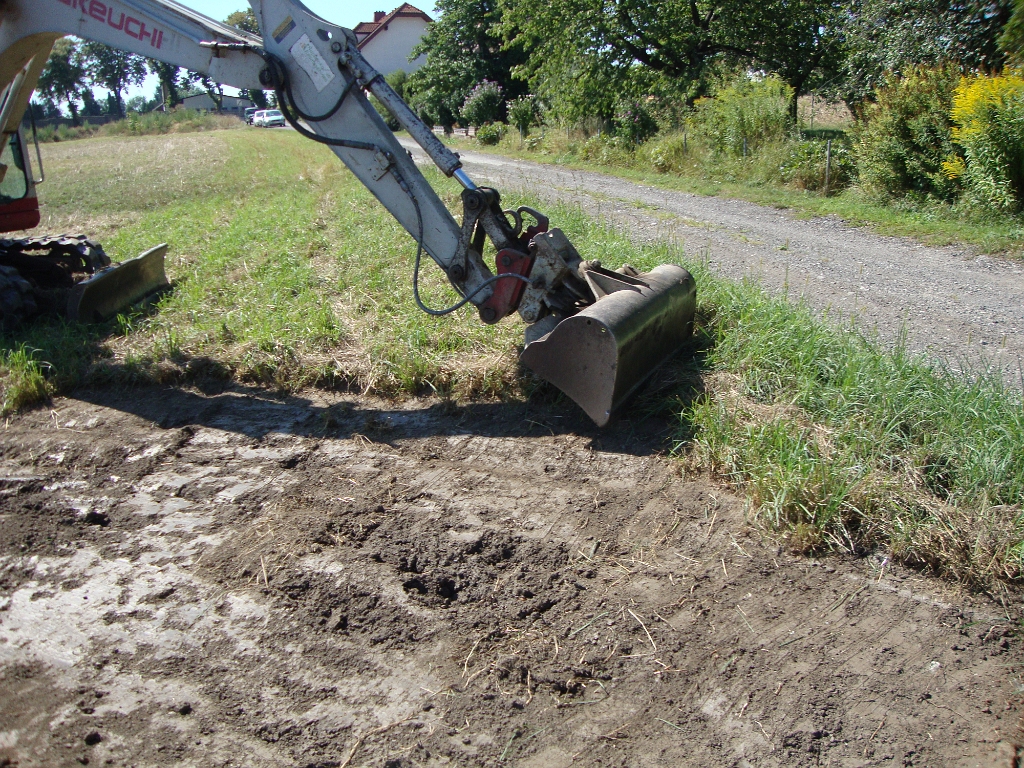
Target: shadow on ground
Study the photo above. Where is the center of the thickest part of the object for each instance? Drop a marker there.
(646, 425)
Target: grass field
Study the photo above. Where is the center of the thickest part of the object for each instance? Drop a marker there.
(289, 274)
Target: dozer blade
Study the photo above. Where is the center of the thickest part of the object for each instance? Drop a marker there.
(600, 356)
(112, 289)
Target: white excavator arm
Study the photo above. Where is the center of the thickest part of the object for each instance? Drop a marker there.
(596, 334)
(321, 76)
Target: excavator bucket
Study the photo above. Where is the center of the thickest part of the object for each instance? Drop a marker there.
(118, 286)
(602, 354)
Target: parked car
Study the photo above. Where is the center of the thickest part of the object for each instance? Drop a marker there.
(267, 118)
(249, 114)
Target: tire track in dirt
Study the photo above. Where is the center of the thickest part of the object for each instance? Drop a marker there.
(956, 305)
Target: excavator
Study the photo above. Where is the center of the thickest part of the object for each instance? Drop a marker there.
(597, 334)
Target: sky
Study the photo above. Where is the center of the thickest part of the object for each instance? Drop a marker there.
(345, 13)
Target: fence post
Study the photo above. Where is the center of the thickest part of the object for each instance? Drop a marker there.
(828, 164)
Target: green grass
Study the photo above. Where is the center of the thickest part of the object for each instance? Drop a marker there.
(842, 444)
(756, 179)
(289, 274)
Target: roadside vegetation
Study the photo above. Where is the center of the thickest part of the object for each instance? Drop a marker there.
(152, 123)
(712, 103)
(287, 274)
(934, 157)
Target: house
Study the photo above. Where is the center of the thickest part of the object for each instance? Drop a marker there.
(234, 105)
(387, 41)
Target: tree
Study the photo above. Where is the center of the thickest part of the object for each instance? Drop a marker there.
(90, 106)
(1011, 41)
(464, 47)
(114, 70)
(245, 21)
(803, 43)
(63, 77)
(168, 75)
(884, 38)
(137, 104)
(44, 109)
(615, 44)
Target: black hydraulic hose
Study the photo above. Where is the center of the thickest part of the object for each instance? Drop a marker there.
(416, 275)
(278, 77)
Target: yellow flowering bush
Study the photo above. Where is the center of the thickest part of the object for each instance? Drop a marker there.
(988, 124)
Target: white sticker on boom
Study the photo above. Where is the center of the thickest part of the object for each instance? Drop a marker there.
(309, 58)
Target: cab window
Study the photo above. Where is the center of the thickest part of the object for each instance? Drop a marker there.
(13, 185)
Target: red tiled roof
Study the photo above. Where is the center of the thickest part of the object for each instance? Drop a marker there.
(365, 27)
(371, 29)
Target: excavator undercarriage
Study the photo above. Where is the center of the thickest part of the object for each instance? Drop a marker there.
(71, 275)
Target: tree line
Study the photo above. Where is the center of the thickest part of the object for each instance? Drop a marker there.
(585, 59)
(76, 68)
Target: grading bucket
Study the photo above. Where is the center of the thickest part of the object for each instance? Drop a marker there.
(602, 354)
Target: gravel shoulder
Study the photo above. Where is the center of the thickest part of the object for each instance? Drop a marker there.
(955, 305)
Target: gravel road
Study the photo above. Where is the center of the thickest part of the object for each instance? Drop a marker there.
(956, 304)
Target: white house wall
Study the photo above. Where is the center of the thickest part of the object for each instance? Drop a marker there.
(390, 48)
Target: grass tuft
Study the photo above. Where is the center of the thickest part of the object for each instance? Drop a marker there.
(22, 379)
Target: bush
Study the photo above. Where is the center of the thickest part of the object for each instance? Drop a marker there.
(746, 113)
(634, 122)
(804, 167)
(906, 135)
(606, 150)
(522, 113)
(483, 105)
(989, 117)
(176, 121)
(667, 153)
(490, 134)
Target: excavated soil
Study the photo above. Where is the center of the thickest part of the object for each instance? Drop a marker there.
(234, 580)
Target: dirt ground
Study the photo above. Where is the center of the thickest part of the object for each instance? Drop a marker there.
(228, 579)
